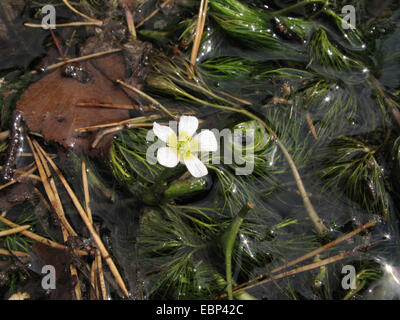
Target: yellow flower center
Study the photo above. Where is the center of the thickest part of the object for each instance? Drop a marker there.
(183, 146)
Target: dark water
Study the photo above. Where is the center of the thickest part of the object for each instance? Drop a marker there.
(161, 254)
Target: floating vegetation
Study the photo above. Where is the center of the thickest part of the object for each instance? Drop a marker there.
(257, 28)
(353, 166)
(220, 149)
(328, 60)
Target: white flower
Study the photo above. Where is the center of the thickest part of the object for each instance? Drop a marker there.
(184, 147)
(19, 296)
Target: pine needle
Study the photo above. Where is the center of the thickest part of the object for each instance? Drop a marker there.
(4, 135)
(41, 239)
(242, 101)
(129, 19)
(146, 96)
(96, 238)
(151, 15)
(5, 252)
(131, 122)
(86, 191)
(311, 266)
(54, 198)
(312, 253)
(50, 188)
(14, 230)
(312, 128)
(105, 132)
(199, 31)
(89, 56)
(21, 176)
(66, 2)
(100, 273)
(94, 291)
(115, 106)
(64, 25)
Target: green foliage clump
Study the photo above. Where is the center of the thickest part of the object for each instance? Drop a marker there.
(256, 28)
(351, 164)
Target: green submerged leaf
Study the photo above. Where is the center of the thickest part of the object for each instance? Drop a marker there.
(352, 164)
(256, 28)
(328, 60)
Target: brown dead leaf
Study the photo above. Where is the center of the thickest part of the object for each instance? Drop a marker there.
(49, 105)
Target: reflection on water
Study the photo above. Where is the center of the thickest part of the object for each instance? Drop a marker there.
(171, 247)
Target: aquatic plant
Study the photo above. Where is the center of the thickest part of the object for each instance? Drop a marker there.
(301, 99)
(256, 28)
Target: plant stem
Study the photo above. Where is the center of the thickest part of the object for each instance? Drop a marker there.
(314, 265)
(14, 230)
(41, 239)
(13, 253)
(151, 15)
(4, 135)
(152, 100)
(150, 194)
(80, 13)
(306, 256)
(228, 240)
(199, 31)
(96, 238)
(299, 5)
(94, 55)
(69, 24)
(129, 19)
(319, 226)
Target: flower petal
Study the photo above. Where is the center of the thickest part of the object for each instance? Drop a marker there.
(167, 157)
(206, 140)
(162, 132)
(187, 126)
(195, 167)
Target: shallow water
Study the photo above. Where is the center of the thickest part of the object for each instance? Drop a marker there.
(163, 251)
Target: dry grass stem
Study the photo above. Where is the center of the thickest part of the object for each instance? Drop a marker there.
(311, 125)
(77, 288)
(310, 266)
(86, 191)
(132, 121)
(80, 13)
(199, 31)
(93, 283)
(41, 239)
(17, 179)
(151, 15)
(146, 96)
(50, 187)
(14, 230)
(5, 252)
(4, 135)
(23, 170)
(312, 253)
(103, 133)
(7, 184)
(64, 25)
(89, 56)
(101, 275)
(96, 238)
(242, 101)
(100, 272)
(113, 106)
(129, 19)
